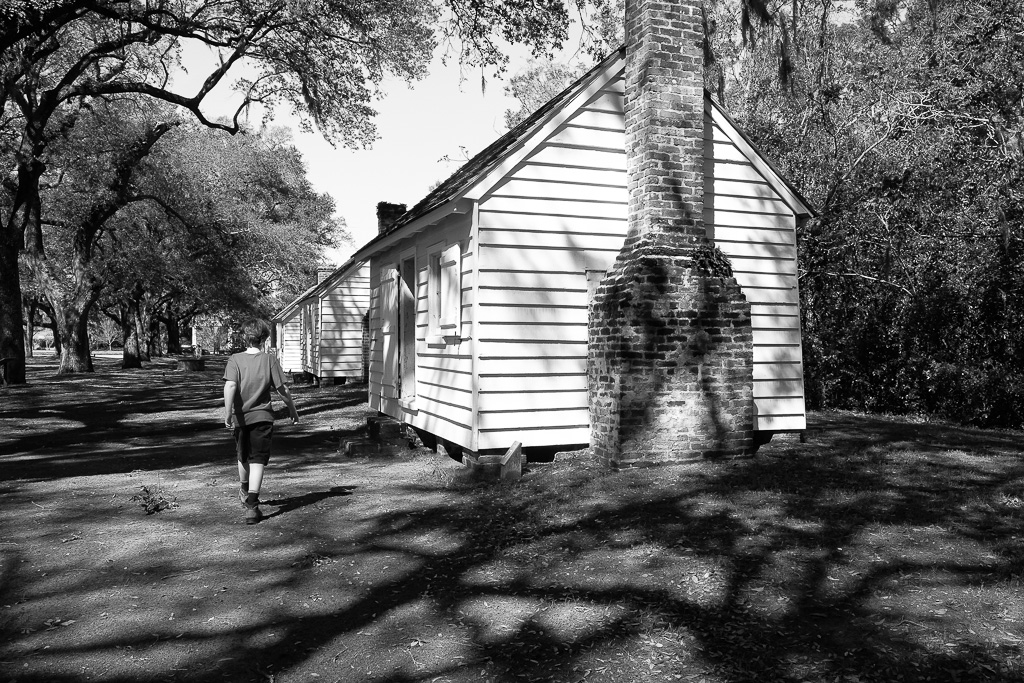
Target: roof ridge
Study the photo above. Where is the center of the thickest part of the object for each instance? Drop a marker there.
(470, 172)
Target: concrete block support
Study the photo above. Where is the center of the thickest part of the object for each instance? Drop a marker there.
(507, 467)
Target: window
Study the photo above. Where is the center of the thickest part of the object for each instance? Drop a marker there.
(451, 291)
(444, 295)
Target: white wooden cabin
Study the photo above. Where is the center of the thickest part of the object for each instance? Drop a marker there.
(321, 332)
(479, 293)
(288, 333)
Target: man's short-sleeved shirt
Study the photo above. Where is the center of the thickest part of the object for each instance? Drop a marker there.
(255, 374)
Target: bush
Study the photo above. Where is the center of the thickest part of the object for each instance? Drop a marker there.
(987, 395)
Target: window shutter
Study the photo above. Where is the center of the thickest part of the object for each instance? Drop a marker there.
(389, 324)
(451, 291)
(434, 295)
(389, 300)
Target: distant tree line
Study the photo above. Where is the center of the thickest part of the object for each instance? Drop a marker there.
(148, 226)
(903, 122)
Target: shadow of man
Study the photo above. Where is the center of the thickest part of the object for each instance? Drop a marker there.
(284, 505)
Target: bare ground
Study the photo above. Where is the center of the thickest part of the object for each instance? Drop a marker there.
(880, 549)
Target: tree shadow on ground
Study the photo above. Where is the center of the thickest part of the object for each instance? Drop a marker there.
(789, 527)
(115, 421)
(877, 550)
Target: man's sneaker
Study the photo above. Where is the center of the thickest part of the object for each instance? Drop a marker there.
(253, 514)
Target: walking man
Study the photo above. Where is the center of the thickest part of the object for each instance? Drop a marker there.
(248, 378)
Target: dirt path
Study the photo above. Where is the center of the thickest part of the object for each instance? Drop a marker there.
(880, 550)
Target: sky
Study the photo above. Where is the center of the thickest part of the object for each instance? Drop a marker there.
(447, 114)
(418, 126)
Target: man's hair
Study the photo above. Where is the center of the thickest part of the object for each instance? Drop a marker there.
(254, 332)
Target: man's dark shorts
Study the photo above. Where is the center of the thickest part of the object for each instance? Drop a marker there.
(252, 442)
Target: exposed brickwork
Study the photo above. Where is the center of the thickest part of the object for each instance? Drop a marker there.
(387, 214)
(670, 352)
(664, 116)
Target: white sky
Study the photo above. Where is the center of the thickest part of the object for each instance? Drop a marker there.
(417, 125)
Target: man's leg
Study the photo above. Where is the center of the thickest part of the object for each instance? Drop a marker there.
(255, 477)
(259, 455)
(243, 480)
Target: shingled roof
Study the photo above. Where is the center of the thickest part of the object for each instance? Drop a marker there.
(478, 167)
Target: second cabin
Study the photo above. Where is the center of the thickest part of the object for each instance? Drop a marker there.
(323, 332)
(479, 293)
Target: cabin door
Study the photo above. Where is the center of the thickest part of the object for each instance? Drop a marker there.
(407, 329)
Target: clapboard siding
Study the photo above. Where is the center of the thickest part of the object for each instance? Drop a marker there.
(519, 369)
(752, 224)
(602, 160)
(315, 339)
(567, 435)
(497, 220)
(343, 307)
(526, 420)
(554, 206)
(537, 171)
(536, 315)
(561, 212)
(289, 350)
(443, 403)
(537, 239)
(516, 382)
(528, 400)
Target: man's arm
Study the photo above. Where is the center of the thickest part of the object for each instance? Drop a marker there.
(230, 391)
(289, 401)
(277, 378)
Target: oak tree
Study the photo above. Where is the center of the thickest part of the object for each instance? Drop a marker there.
(322, 58)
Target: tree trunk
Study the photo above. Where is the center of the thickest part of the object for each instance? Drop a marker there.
(57, 345)
(130, 353)
(154, 345)
(173, 334)
(12, 324)
(73, 326)
(30, 327)
(69, 305)
(21, 223)
(141, 315)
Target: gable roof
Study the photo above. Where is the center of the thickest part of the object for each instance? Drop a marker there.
(443, 199)
(789, 193)
(478, 167)
(339, 274)
(289, 310)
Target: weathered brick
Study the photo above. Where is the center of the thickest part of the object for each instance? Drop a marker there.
(670, 356)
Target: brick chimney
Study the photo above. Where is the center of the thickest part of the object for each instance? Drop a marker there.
(387, 214)
(322, 274)
(670, 354)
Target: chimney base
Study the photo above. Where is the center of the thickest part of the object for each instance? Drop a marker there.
(670, 362)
